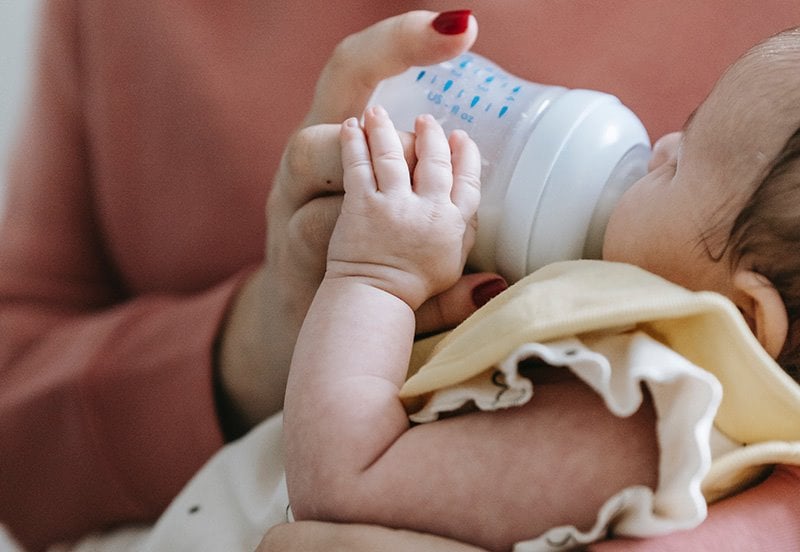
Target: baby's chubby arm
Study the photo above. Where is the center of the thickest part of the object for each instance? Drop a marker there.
(398, 241)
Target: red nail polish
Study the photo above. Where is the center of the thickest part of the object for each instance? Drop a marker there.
(488, 289)
(452, 22)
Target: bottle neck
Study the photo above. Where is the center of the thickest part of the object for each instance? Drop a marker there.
(630, 168)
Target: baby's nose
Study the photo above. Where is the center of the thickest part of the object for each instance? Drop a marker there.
(665, 149)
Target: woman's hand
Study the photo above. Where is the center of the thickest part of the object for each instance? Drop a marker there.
(258, 338)
(310, 536)
(761, 518)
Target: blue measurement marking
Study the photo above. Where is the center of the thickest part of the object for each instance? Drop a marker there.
(464, 63)
(502, 111)
(490, 78)
(447, 85)
(516, 89)
(474, 101)
(421, 74)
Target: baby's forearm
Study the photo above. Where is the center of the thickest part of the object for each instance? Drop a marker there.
(342, 407)
(493, 478)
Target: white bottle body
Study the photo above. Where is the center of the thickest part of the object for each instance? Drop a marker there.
(554, 161)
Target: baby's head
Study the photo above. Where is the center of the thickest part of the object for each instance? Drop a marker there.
(720, 208)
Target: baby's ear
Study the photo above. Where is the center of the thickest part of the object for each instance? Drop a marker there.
(763, 308)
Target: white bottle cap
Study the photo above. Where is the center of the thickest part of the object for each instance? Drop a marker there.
(562, 188)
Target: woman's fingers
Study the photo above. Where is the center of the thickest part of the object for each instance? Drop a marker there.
(451, 307)
(313, 155)
(384, 49)
(318, 536)
(313, 163)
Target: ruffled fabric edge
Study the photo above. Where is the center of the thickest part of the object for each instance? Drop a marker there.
(685, 397)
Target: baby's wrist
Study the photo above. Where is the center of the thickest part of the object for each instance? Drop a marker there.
(408, 288)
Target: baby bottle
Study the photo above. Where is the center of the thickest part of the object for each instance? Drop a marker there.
(554, 160)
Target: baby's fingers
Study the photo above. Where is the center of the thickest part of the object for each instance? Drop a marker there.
(466, 159)
(356, 164)
(388, 160)
(433, 175)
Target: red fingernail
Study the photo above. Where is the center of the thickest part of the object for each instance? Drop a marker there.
(488, 289)
(452, 22)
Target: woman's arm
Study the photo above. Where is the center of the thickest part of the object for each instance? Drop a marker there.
(106, 404)
(107, 384)
(764, 517)
(311, 536)
(761, 518)
(304, 204)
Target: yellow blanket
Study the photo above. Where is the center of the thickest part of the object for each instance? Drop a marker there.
(761, 403)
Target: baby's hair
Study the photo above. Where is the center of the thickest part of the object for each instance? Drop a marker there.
(766, 236)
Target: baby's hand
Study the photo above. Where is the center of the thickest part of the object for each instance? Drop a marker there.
(409, 237)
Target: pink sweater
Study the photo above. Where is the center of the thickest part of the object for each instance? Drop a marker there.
(136, 199)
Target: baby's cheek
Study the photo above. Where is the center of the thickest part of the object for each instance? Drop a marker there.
(611, 240)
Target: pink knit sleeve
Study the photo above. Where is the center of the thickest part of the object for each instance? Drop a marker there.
(104, 416)
(106, 396)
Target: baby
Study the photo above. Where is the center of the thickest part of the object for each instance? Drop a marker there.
(715, 213)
